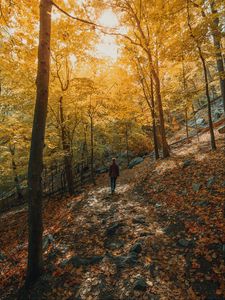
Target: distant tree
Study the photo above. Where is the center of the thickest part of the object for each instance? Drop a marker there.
(204, 67)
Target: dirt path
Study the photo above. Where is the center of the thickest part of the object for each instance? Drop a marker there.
(130, 246)
(155, 238)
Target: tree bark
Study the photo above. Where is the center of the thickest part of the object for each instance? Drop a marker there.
(67, 150)
(165, 147)
(186, 124)
(92, 151)
(127, 144)
(217, 46)
(150, 99)
(15, 175)
(196, 126)
(212, 136)
(154, 73)
(35, 224)
(155, 139)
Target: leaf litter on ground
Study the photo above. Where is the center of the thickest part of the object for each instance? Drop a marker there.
(158, 237)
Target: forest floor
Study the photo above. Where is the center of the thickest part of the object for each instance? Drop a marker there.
(160, 236)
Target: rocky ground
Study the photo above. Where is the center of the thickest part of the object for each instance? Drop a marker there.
(161, 236)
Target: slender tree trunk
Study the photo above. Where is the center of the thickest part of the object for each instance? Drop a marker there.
(155, 139)
(67, 150)
(92, 151)
(154, 73)
(127, 145)
(165, 147)
(150, 99)
(217, 45)
(184, 90)
(196, 126)
(186, 124)
(15, 175)
(212, 136)
(83, 153)
(35, 224)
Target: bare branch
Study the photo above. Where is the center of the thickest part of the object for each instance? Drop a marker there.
(77, 18)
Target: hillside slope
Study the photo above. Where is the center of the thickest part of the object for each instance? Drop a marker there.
(161, 236)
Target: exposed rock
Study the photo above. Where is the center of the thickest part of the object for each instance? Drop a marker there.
(114, 245)
(2, 256)
(216, 247)
(137, 248)
(77, 261)
(175, 228)
(145, 233)
(47, 240)
(211, 181)
(153, 269)
(123, 261)
(135, 161)
(131, 259)
(206, 287)
(187, 163)
(155, 247)
(139, 220)
(196, 186)
(191, 123)
(217, 114)
(183, 242)
(140, 284)
(107, 296)
(64, 263)
(113, 228)
(203, 203)
(184, 192)
(153, 297)
(205, 266)
(221, 129)
(201, 122)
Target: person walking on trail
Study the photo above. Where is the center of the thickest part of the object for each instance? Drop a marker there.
(113, 174)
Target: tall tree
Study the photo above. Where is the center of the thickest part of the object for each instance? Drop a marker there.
(65, 136)
(216, 34)
(148, 90)
(204, 67)
(35, 224)
(138, 18)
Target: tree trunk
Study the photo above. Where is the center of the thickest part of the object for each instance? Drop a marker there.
(67, 150)
(196, 126)
(92, 151)
(17, 182)
(212, 136)
(35, 224)
(165, 147)
(155, 139)
(15, 175)
(219, 57)
(127, 145)
(186, 123)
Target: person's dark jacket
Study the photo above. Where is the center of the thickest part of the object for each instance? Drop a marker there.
(114, 170)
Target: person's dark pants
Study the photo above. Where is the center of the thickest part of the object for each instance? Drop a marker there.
(113, 184)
